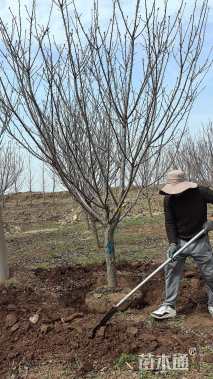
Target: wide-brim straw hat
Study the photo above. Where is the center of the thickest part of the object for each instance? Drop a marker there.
(176, 183)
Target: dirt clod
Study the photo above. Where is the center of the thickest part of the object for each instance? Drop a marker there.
(101, 300)
(72, 317)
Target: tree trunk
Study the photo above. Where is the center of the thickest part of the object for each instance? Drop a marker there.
(150, 207)
(87, 219)
(91, 224)
(95, 232)
(2, 200)
(110, 256)
(4, 270)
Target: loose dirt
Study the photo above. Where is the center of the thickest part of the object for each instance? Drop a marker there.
(55, 300)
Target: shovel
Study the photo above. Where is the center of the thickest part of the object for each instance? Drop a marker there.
(207, 227)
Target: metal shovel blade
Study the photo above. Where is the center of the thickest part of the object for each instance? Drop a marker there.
(104, 320)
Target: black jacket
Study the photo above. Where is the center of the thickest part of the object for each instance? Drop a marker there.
(186, 213)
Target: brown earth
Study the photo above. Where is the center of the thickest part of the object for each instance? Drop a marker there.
(45, 323)
(63, 330)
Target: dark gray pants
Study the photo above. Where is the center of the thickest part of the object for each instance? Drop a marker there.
(201, 252)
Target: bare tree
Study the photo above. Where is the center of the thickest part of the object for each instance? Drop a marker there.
(30, 179)
(43, 181)
(11, 168)
(18, 183)
(4, 269)
(205, 149)
(94, 106)
(53, 186)
(152, 172)
(196, 156)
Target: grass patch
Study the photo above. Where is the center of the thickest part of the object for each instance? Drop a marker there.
(125, 358)
(138, 237)
(140, 220)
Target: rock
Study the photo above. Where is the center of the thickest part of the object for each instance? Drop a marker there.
(34, 319)
(11, 319)
(15, 327)
(102, 299)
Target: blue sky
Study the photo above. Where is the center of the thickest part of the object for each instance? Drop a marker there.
(202, 110)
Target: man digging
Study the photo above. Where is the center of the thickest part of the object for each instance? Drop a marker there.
(185, 208)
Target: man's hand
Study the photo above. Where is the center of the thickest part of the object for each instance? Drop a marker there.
(208, 225)
(173, 247)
